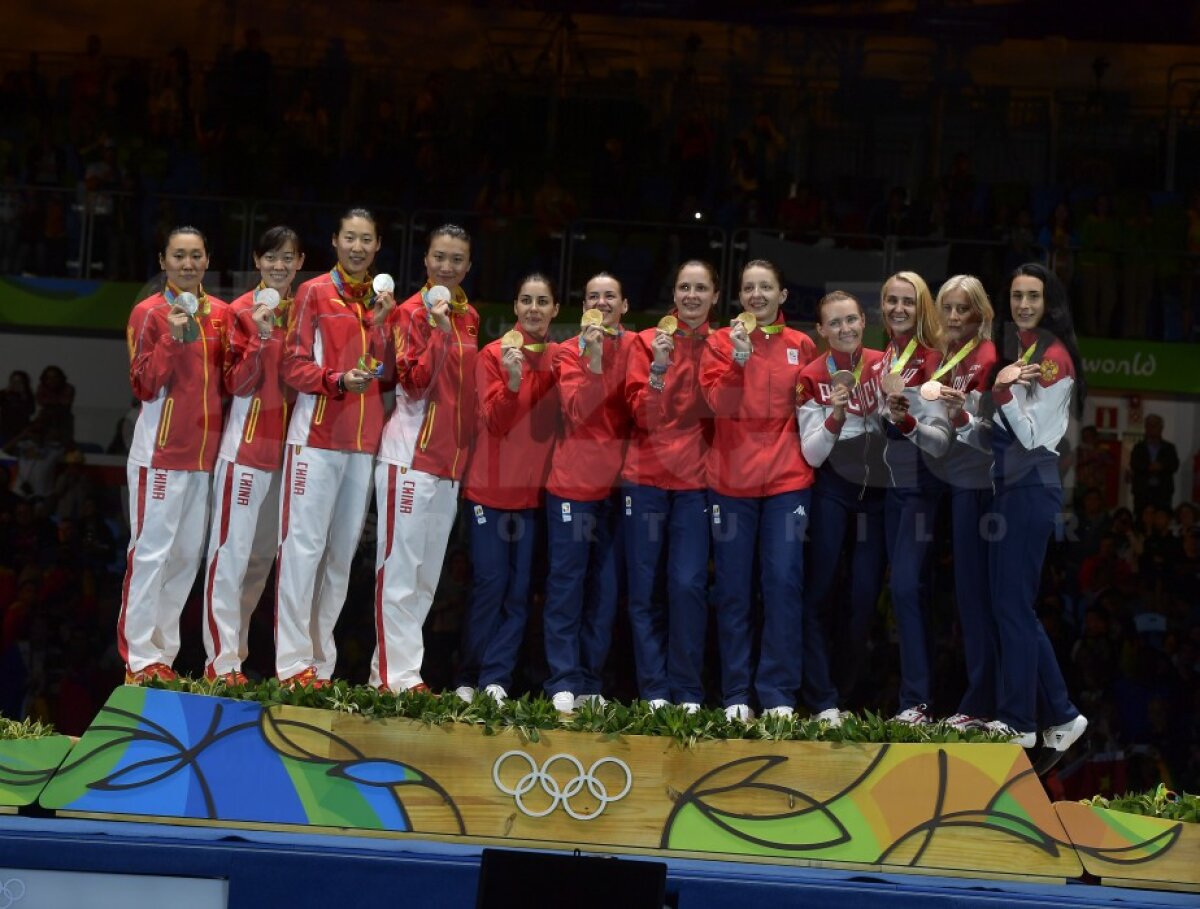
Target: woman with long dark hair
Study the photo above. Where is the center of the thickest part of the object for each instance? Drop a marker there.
(1033, 399)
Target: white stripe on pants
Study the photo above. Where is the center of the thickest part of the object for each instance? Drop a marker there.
(241, 548)
(323, 506)
(416, 514)
(168, 512)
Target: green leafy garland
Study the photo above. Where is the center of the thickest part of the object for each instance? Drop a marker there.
(1162, 802)
(530, 716)
(12, 730)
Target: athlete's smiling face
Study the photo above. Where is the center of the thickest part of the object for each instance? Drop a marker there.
(695, 295)
(535, 307)
(356, 243)
(603, 293)
(1026, 297)
(448, 261)
(761, 294)
(842, 325)
(899, 307)
(279, 266)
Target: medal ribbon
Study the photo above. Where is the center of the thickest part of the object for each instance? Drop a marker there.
(898, 364)
(170, 292)
(957, 358)
(832, 367)
(349, 289)
(772, 329)
(1025, 357)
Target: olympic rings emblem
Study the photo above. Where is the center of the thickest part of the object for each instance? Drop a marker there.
(562, 794)
(11, 891)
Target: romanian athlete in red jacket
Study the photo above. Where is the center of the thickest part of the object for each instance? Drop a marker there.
(335, 340)
(175, 370)
(245, 526)
(423, 455)
(915, 429)
(664, 494)
(515, 432)
(840, 432)
(759, 492)
(583, 583)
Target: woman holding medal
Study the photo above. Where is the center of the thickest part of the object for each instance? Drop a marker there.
(582, 585)
(759, 492)
(913, 426)
(245, 526)
(177, 344)
(334, 337)
(1032, 398)
(663, 486)
(960, 382)
(841, 439)
(515, 434)
(435, 334)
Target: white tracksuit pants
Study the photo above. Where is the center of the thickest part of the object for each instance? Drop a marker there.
(241, 550)
(324, 501)
(416, 514)
(168, 518)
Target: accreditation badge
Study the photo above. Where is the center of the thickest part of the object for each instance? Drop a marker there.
(628, 506)
(480, 517)
(566, 512)
(716, 514)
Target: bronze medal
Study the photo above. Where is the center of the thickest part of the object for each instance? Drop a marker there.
(1009, 374)
(843, 377)
(892, 384)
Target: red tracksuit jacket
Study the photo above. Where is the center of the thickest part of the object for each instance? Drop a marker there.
(178, 383)
(430, 430)
(672, 429)
(756, 446)
(327, 336)
(515, 432)
(257, 422)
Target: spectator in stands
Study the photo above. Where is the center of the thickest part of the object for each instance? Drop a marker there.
(55, 395)
(16, 405)
(1152, 466)
(1098, 237)
(1059, 240)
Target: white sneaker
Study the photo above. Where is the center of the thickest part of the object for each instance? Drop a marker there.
(595, 700)
(465, 693)
(740, 713)
(1062, 737)
(830, 716)
(564, 702)
(690, 707)
(914, 716)
(655, 703)
(1024, 739)
(964, 722)
(496, 693)
(779, 711)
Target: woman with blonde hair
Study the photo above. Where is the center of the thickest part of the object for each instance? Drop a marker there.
(963, 377)
(914, 426)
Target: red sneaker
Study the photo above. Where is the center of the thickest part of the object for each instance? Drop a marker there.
(305, 678)
(232, 679)
(160, 671)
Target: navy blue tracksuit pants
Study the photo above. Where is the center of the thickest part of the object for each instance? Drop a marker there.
(839, 506)
(909, 515)
(773, 528)
(581, 593)
(1032, 688)
(668, 644)
(973, 526)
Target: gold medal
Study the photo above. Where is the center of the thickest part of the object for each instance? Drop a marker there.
(931, 390)
(591, 317)
(668, 325)
(749, 320)
(512, 339)
(892, 384)
(843, 377)
(1009, 374)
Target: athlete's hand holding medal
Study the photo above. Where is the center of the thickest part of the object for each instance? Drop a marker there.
(663, 344)
(739, 336)
(437, 304)
(384, 300)
(841, 383)
(265, 303)
(591, 338)
(1019, 373)
(512, 357)
(182, 318)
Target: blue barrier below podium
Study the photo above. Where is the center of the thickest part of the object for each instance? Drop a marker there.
(268, 868)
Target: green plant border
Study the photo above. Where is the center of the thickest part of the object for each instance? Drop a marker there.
(530, 716)
(17, 730)
(1160, 802)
